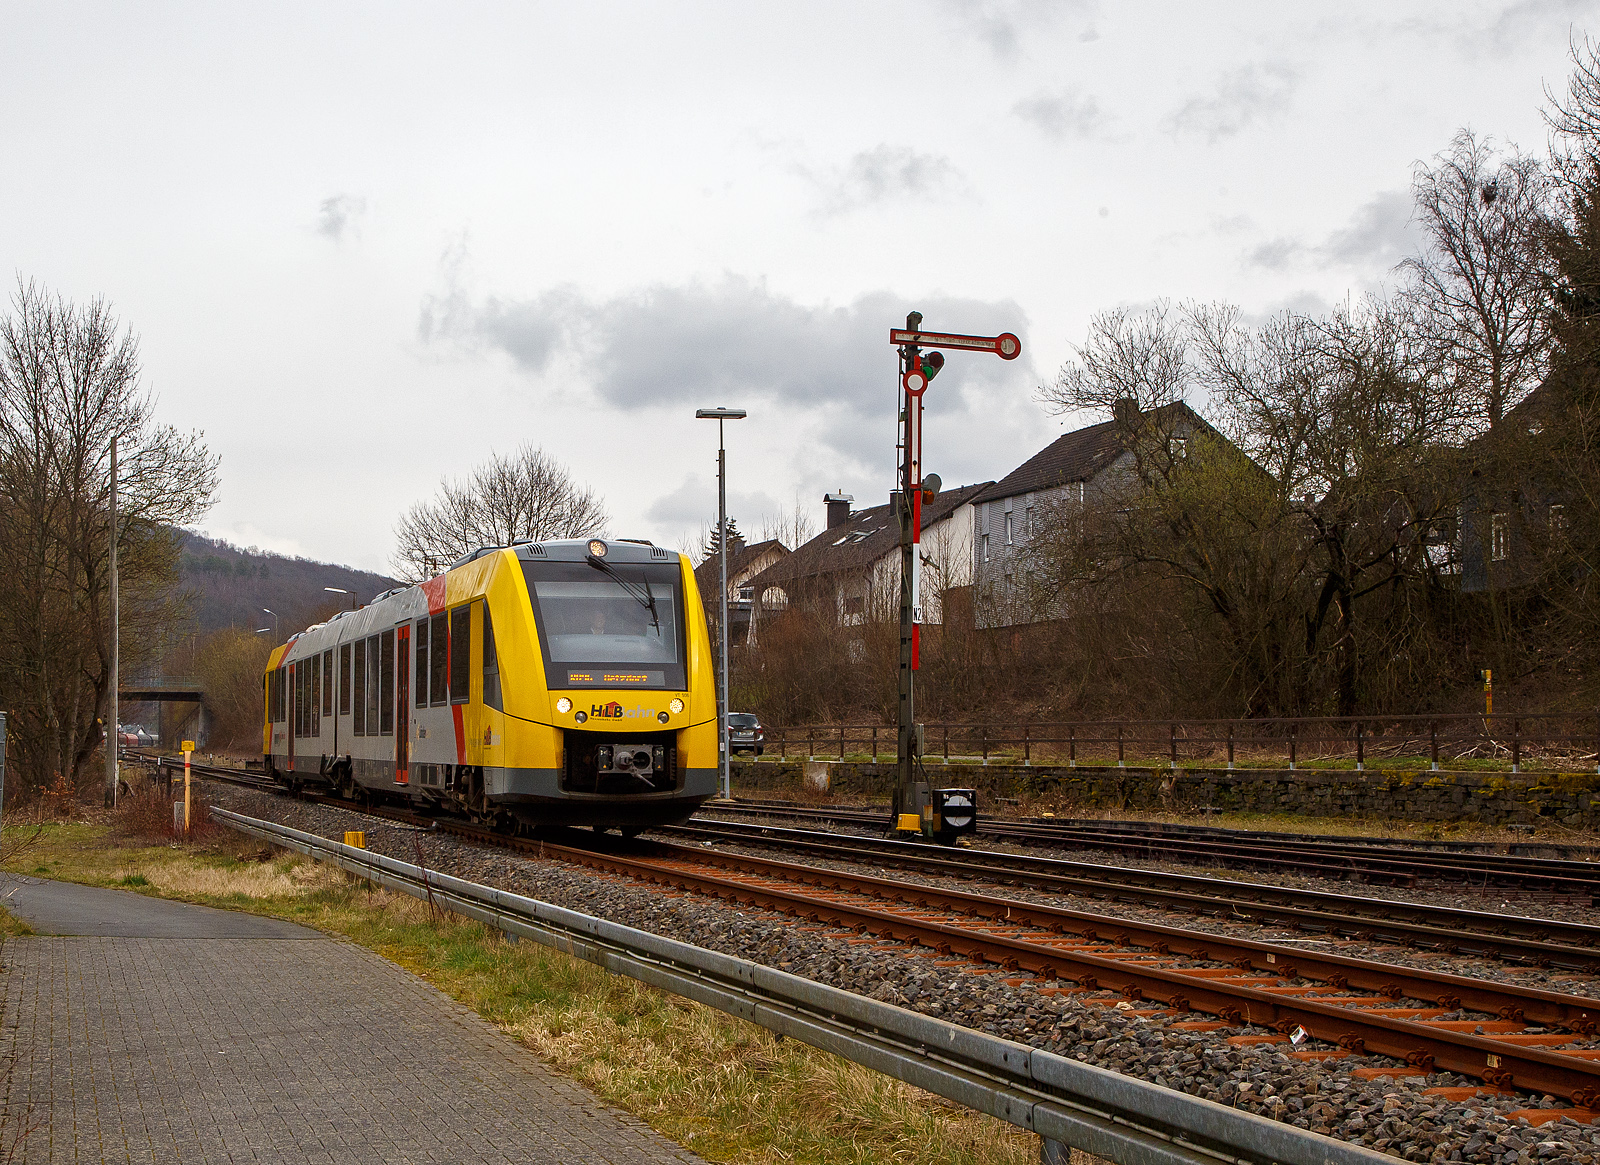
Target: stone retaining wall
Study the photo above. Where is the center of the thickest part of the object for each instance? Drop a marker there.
(1573, 799)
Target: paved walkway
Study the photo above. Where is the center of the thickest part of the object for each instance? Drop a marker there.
(147, 1031)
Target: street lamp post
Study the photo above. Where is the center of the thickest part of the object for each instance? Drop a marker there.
(274, 615)
(720, 415)
(342, 591)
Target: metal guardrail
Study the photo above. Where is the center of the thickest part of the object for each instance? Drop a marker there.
(1104, 1113)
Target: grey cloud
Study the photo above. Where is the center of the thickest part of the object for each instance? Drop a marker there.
(1064, 115)
(1004, 25)
(735, 342)
(886, 173)
(1381, 231)
(1240, 98)
(1379, 234)
(337, 216)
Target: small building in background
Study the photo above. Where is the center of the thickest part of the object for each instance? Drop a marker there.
(744, 563)
(852, 569)
(1075, 472)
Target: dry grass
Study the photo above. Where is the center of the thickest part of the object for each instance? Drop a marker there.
(731, 1091)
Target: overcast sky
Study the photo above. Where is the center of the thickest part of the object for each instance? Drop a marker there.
(365, 245)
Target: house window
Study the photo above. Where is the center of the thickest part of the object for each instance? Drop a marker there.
(986, 548)
(1500, 537)
(1008, 527)
(1558, 522)
(1028, 530)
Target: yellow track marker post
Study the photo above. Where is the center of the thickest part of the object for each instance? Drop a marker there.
(188, 750)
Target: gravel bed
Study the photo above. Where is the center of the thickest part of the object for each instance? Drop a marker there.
(1471, 966)
(1390, 1115)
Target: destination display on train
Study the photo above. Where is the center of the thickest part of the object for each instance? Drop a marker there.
(595, 678)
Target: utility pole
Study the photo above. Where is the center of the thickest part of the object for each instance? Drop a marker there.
(112, 741)
(911, 796)
(720, 415)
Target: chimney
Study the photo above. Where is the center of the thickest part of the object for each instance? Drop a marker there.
(735, 543)
(838, 508)
(1125, 411)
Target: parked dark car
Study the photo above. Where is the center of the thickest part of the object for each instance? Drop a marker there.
(745, 734)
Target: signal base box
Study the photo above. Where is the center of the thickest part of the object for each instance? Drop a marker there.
(955, 812)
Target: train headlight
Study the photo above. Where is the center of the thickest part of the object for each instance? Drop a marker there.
(597, 548)
(563, 705)
(580, 717)
(676, 705)
(663, 717)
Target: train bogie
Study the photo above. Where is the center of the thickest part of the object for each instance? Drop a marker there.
(562, 683)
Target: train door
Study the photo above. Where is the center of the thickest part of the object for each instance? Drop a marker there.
(402, 704)
(493, 727)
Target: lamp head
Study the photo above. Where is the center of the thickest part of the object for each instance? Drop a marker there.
(720, 414)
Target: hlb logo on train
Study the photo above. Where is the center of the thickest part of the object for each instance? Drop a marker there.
(615, 711)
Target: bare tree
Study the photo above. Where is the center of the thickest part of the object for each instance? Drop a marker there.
(526, 495)
(1142, 357)
(68, 384)
(1480, 289)
(794, 527)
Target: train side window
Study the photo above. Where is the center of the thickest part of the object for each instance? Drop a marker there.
(361, 687)
(300, 699)
(327, 682)
(314, 705)
(460, 653)
(386, 675)
(438, 658)
(419, 676)
(491, 665)
(344, 679)
(374, 686)
(277, 696)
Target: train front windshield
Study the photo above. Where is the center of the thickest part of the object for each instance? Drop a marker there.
(600, 629)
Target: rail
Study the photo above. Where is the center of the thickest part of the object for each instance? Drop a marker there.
(1545, 739)
(1104, 1113)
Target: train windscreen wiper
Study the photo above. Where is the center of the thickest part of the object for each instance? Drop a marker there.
(644, 596)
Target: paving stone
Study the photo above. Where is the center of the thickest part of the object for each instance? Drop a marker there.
(273, 1050)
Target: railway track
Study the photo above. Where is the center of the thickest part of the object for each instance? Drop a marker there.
(1452, 930)
(1503, 1034)
(1370, 863)
(1430, 1022)
(1534, 942)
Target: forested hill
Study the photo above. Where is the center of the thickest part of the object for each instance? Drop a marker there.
(230, 586)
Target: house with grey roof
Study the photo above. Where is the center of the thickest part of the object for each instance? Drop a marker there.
(852, 569)
(1074, 472)
(745, 561)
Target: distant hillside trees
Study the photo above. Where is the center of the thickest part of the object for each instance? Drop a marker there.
(524, 495)
(69, 383)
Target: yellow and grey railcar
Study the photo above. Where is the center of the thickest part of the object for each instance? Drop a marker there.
(555, 683)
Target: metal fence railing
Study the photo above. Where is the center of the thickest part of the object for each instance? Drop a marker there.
(1104, 1113)
(1553, 740)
